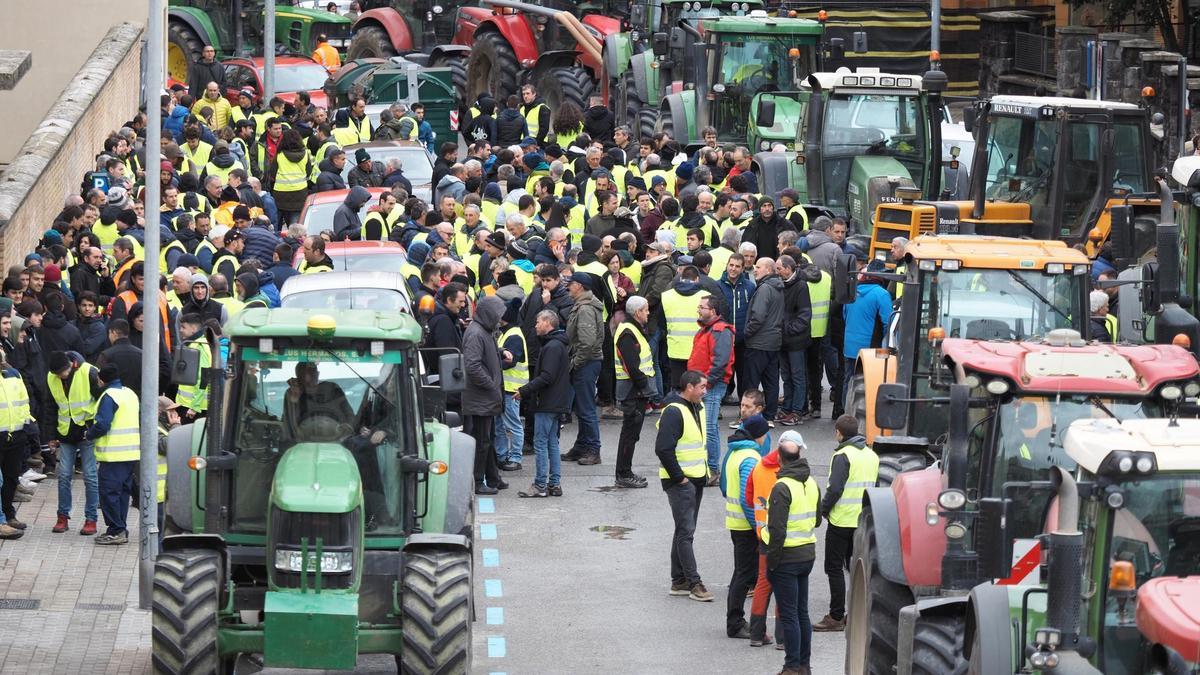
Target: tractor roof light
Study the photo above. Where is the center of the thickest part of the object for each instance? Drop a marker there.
(952, 265)
(952, 499)
(1095, 235)
(935, 56)
(792, 14)
(1182, 340)
(1121, 577)
(1055, 268)
(867, 81)
(1147, 92)
(1128, 464)
(1047, 637)
(1113, 497)
(321, 326)
(937, 334)
(850, 81)
(266, 345)
(997, 387)
(794, 53)
(927, 265)
(822, 16)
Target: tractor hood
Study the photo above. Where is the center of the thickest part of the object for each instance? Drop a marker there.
(788, 112)
(1168, 613)
(873, 179)
(317, 478)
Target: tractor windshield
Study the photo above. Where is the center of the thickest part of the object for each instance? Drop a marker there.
(334, 397)
(746, 65)
(878, 124)
(1001, 304)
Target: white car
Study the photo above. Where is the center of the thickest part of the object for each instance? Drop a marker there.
(418, 167)
(379, 291)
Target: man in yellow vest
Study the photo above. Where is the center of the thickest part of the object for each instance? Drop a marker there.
(819, 350)
(680, 449)
(193, 397)
(73, 385)
(854, 468)
(115, 433)
(536, 114)
(680, 305)
(510, 429)
(791, 543)
(740, 459)
(15, 418)
(635, 385)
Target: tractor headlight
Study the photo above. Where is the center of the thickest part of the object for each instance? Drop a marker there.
(1191, 389)
(997, 387)
(952, 500)
(331, 562)
(1171, 392)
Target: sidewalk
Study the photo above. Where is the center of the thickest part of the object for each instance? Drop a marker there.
(67, 605)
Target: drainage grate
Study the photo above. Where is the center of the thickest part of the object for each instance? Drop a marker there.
(20, 603)
(99, 607)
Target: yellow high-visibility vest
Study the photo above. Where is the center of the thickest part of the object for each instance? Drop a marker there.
(195, 396)
(200, 155)
(864, 471)
(818, 295)
(735, 518)
(211, 169)
(75, 405)
(802, 513)
(122, 443)
(290, 176)
(518, 375)
(645, 358)
(531, 119)
(689, 449)
(803, 215)
(680, 312)
(720, 257)
(14, 409)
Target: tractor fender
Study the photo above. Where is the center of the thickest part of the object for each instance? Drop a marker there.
(1167, 660)
(616, 54)
(199, 22)
(882, 505)
(988, 616)
(645, 78)
(439, 50)
(922, 545)
(954, 607)
(877, 367)
(461, 490)
(437, 540)
(516, 31)
(559, 58)
(683, 114)
(390, 21)
(182, 442)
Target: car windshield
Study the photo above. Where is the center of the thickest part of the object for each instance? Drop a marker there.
(300, 77)
(364, 262)
(378, 299)
(1001, 304)
(320, 216)
(417, 167)
(318, 396)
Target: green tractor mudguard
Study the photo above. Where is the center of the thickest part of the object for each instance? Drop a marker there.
(873, 179)
(788, 112)
(677, 117)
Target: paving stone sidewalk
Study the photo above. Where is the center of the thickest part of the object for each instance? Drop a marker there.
(66, 604)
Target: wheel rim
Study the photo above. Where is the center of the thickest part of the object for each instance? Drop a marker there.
(857, 628)
(177, 63)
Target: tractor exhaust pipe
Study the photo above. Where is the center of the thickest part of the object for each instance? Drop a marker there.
(1167, 245)
(1066, 551)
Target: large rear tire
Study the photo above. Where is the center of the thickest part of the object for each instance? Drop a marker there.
(184, 47)
(574, 84)
(856, 400)
(893, 465)
(457, 63)
(186, 598)
(492, 67)
(938, 646)
(436, 605)
(872, 620)
(665, 123)
(370, 42)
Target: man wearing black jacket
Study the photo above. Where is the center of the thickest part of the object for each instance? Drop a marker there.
(444, 331)
(548, 395)
(680, 449)
(91, 274)
(797, 335)
(635, 385)
(123, 354)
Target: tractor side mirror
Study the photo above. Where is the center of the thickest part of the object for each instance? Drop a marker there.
(185, 370)
(452, 419)
(860, 42)
(766, 113)
(660, 43)
(891, 406)
(837, 49)
(1150, 295)
(992, 543)
(969, 114)
(845, 279)
(452, 375)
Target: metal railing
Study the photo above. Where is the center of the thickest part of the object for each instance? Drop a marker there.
(1035, 54)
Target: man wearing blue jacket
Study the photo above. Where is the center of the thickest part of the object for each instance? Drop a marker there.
(741, 457)
(737, 287)
(866, 318)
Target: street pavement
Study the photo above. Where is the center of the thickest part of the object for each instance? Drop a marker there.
(576, 584)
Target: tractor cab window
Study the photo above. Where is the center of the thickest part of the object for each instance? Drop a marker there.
(871, 124)
(746, 65)
(1001, 304)
(1081, 183)
(1129, 156)
(323, 397)
(1020, 163)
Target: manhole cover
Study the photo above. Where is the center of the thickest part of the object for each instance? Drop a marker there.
(99, 607)
(20, 603)
(612, 531)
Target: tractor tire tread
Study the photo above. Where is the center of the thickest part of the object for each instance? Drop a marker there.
(892, 465)
(490, 44)
(370, 42)
(457, 64)
(184, 612)
(435, 604)
(938, 646)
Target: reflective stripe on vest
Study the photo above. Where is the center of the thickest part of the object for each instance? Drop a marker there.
(645, 359)
(802, 513)
(1113, 326)
(290, 176)
(680, 312)
(864, 470)
(518, 375)
(735, 518)
(818, 295)
(689, 449)
(122, 443)
(195, 396)
(75, 405)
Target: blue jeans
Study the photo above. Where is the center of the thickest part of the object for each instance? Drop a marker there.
(116, 487)
(712, 431)
(583, 382)
(545, 449)
(510, 431)
(789, 581)
(655, 343)
(66, 470)
(794, 366)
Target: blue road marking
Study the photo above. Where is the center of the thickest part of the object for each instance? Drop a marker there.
(495, 616)
(497, 649)
(487, 531)
(491, 557)
(492, 588)
(486, 505)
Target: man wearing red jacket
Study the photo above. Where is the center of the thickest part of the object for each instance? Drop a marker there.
(712, 354)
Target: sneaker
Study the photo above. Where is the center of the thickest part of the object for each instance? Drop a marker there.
(779, 646)
(25, 490)
(735, 424)
(22, 497)
(743, 634)
(501, 485)
(714, 478)
(9, 532)
(510, 466)
(814, 414)
(611, 413)
(761, 642)
(554, 490)
(681, 589)
(32, 475)
(13, 522)
(589, 459)
(112, 539)
(35, 465)
(534, 491)
(88, 529)
(25, 482)
(700, 594)
(60, 525)
(771, 424)
(481, 489)
(788, 419)
(572, 455)
(631, 481)
(828, 624)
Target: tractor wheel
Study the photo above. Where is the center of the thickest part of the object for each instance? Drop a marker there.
(645, 123)
(558, 85)
(665, 123)
(436, 605)
(370, 42)
(938, 646)
(893, 465)
(186, 597)
(639, 115)
(184, 47)
(492, 67)
(457, 63)
(872, 622)
(856, 400)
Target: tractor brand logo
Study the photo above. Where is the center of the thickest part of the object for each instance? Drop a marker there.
(890, 200)
(1011, 109)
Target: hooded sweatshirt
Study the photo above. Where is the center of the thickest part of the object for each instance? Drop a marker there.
(822, 251)
(346, 223)
(207, 308)
(778, 508)
(329, 178)
(253, 297)
(510, 127)
(740, 440)
(450, 185)
(599, 123)
(481, 360)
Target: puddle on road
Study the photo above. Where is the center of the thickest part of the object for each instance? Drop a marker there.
(604, 488)
(612, 531)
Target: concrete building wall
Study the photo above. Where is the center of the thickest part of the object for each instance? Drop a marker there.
(54, 159)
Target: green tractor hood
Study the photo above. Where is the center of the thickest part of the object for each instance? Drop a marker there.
(317, 478)
(873, 179)
(788, 113)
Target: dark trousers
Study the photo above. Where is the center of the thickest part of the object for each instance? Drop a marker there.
(606, 386)
(634, 415)
(685, 507)
(116, 489)
(762, 370)
(839, 542)
(790, 582)
(12, 465)
(678, 368)
(483, 429)
(739, 378)
(745, 572)
(819, 369)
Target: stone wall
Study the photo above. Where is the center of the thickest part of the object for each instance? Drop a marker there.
(51, 165)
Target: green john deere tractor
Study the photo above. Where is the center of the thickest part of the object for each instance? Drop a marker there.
(235, 28)
(322, 510)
